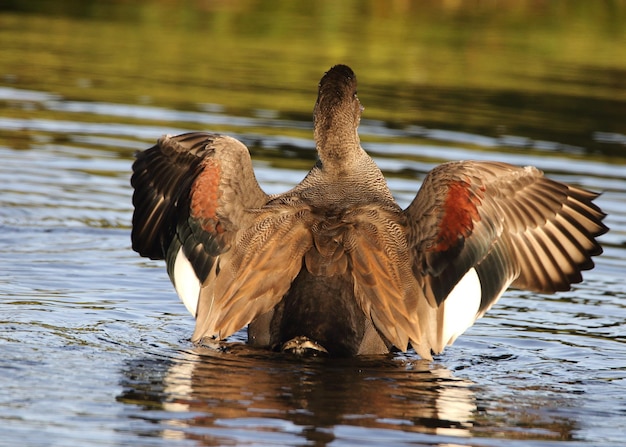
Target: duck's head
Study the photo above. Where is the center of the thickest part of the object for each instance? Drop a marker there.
(337, 111)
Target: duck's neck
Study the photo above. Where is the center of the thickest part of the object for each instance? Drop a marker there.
(338, 144)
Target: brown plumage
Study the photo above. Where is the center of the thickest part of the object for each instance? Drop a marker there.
(335, 265)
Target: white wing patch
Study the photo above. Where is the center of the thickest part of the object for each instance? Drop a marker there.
(460, 308)
(186, 282)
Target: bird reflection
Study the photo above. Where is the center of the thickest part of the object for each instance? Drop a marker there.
(214, 396)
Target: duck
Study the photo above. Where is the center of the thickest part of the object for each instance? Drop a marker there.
(334, 266)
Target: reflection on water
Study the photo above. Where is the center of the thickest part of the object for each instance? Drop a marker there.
(206, 395)
(216, 398)
(94, 342)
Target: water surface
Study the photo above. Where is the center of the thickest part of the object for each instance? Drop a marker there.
(95, 344)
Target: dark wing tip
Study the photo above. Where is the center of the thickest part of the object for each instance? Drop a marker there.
(162, 178)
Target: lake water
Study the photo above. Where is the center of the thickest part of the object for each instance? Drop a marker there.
(94, 344)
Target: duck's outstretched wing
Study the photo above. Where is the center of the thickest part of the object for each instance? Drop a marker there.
(476, 228)
(192, 193)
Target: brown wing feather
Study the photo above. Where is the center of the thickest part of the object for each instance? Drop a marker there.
(563, 243)
(255, 274)
(513, 225)
(384, 285)
(192, 191)
(448, 228)
(162, 179)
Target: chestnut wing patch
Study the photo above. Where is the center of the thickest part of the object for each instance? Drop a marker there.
(205, 196)
(458, 214)
(460, 237)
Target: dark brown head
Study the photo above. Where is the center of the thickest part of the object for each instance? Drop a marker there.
(337, 110)
(337, 86)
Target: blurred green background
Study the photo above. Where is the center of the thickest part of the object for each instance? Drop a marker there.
(546, 70)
